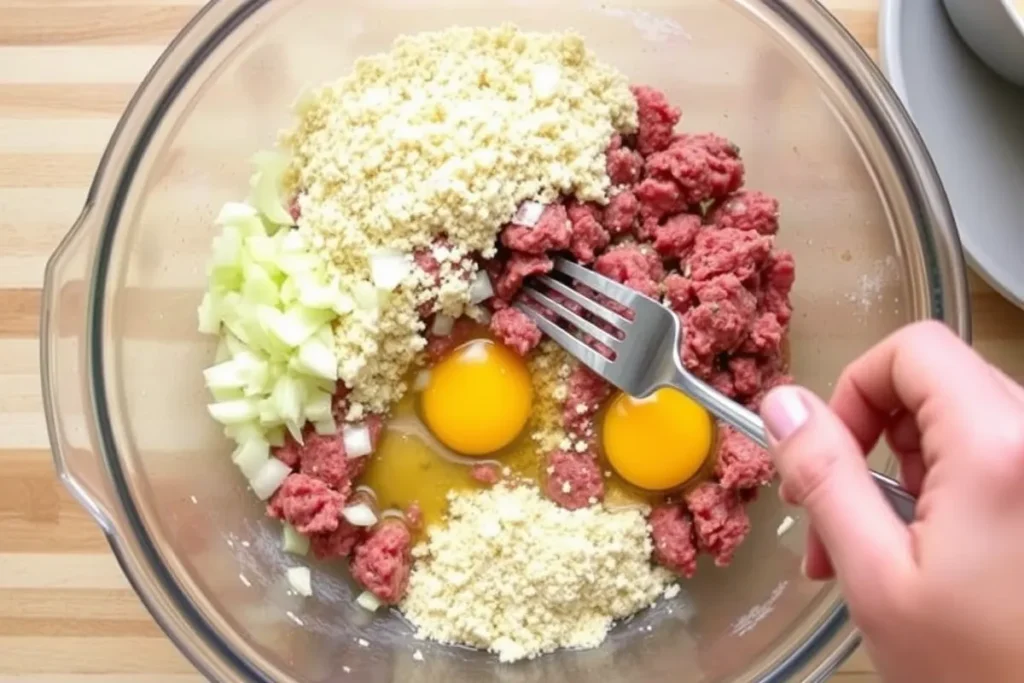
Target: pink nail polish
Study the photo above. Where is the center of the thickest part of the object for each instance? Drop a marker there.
(784, 411)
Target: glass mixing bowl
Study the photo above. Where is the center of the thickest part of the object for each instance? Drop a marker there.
(863, 212)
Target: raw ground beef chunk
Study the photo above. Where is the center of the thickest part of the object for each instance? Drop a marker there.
(621, 214)
(519, 267)
(574, 480)
(381, 563)
(337, 543)
(307, 504)
(513, 329)
(741, 464)
(551, 233)
(587, 391)
(721, 319)
(657, 119)
(323, 457)
(737, 252)
(674, 545)
(674, 238)
(632, 267)
(747, 210)
(719, 520)
(624, 166)
(703, 167)
(486, 474)
(588, 235)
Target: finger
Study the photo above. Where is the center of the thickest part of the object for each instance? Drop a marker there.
(817, 564)
(824, 470)
(924, 362)
(904, 439)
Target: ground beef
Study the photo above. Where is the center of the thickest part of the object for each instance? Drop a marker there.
(719, 519)
(307, 504)
(747, 210)
(621, 214)
(519, 267)
(766, 335)
(337, 543)
(703, 167)
(658, 198)
(588, 235)
(657, 119)
(741, 464)
(323, 457)
(414, 515)
(515, 330)
(678, 292)
(574, 481)
(551, 233)
(737, 252)
(745, 375)
(486, 473)
(381, 563)
(777, 303)
(440, 346)
(586, 392)
(722, 382)
(628, 264)
(674, 238)
(721, 321)
(674, 545)
(624, 166)
(780, 271)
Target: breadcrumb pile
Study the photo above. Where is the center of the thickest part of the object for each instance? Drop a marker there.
(445, 135)
(514, 573)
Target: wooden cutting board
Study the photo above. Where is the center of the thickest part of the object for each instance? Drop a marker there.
(67, 69)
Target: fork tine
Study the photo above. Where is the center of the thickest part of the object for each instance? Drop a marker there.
(574, 346)
(610, 288)
(576, 320)
(597, 309)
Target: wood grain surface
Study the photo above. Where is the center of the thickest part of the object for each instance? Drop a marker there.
(67, 69)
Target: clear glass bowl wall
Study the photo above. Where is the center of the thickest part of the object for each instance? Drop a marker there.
(818, 128)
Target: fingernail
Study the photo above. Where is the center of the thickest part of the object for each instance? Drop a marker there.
(803, 567)
(784, 412)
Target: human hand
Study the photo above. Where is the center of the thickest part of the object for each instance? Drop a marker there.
(941, 599)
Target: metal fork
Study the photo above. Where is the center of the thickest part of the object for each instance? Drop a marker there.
(646, 355)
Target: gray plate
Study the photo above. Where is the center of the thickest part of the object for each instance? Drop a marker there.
(973, 124)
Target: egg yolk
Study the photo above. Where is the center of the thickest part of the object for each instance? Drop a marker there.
(477, 399)
(659, 442)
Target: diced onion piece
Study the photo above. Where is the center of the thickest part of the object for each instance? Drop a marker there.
(326, 427)
(296, 325)
(316, 295)
(421, 381)
(300, 580)
(234, 411)
(233, 213)
(368, 601)
(258, 287)
(388, 268)
(318, 407)
(269, 478)
(209, 316)
(293, 542)
(365, 296)
(480, 289)
(479, 313)
(295, 429)
(528, 214)
(230, 374)
(275, 436)
(262, 250)
(266, 187)
(443, 325)
(357, 440)
(359, 514)
(251, 455)
(224, 395)
(287, 398)
(317, 359)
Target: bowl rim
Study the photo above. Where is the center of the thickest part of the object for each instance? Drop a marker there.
(213, 23)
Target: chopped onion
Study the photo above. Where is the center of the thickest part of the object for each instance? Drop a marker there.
(365, 295)
(266, 187)
(301, 580)
(251, 455)
(269, 478)
(317, 359)
(287, 398)
(326, 427)
(233, 213)
(357, 440)
(275, 436)
(481, 288)
(318, 407)
(234, 411)
(443, 325)
(528, 214)
(388, 268)
(293, 542)
(368, 601)
(359, 514)
(421, 381)
(230, 374)
(209, 316)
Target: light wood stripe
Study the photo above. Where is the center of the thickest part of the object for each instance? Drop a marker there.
(40, 101)
(92, 25)
(97, 655)
(76, 65)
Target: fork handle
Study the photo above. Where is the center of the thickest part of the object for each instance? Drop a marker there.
(751, 425)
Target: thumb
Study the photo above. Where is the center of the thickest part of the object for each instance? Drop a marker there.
(823, 469)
